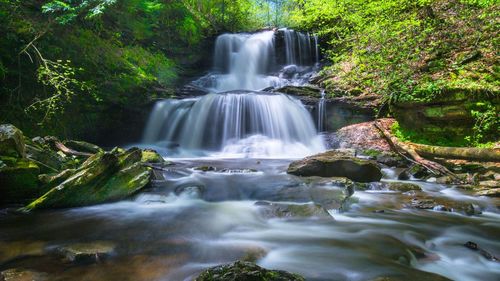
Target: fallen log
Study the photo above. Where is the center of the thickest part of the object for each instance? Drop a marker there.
(465, 153)
(407, 151)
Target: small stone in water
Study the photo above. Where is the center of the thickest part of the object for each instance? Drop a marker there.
(85, 253)
(475, 247)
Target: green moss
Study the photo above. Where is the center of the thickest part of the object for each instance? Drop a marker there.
(372, 152)
(18, 180)
(151, 156)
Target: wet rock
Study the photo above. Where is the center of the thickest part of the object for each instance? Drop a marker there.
(55, 179)
(493, 192)
(11, 141)
(402, 186)
(289, 71)
(50, 161)
(15, 249)
(82, 146)
(103, 177)
(206, 168)
(363, 137)
(490, 184)
(301, 91)
(245, 271)
(286, 210)
(87, 253)
(336, 164)
(414, 171)
(332, 198)
(254, 254)
(18, 180)
(151, 156)
(473, 246)
(420, 200)
(19, 274)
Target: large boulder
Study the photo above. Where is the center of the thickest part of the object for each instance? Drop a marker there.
(335, 163)
(18, 180)
(105, 176)
(245, 271)
(11, 141)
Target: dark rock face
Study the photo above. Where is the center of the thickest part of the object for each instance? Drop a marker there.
(245, 271)
(336, 164)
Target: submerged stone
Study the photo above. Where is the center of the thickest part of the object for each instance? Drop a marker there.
(85, 253)
(287, 210)
(245, 271)
(20, 274)
(336, 164)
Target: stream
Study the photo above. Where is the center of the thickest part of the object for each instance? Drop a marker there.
(231, 150)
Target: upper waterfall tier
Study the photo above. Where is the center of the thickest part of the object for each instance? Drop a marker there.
(255, 61)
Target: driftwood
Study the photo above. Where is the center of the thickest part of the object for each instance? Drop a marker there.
(465, 153)
(406, 150)
(59, 145)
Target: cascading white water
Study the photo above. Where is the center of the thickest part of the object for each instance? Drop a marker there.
(299, 49)
(237, 122)
(321, 112)
(247, 124)
(244, 60)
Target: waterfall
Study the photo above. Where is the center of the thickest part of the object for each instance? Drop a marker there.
(235, 120)
(249, 124)
(243, 61)
(298, 47)
(316, 48)
(321, 112)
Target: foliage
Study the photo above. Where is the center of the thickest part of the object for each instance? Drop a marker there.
(121, 55)
(60, 77)
(403, 48)
(68, 10)
(486, 125)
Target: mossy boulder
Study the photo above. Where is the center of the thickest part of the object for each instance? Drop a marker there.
(336, 164)
(18, 180)
(11, 141)
(103, 177)
(245, 271)
(151, 156)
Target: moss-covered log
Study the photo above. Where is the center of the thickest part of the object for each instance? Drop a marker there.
(465, 153)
